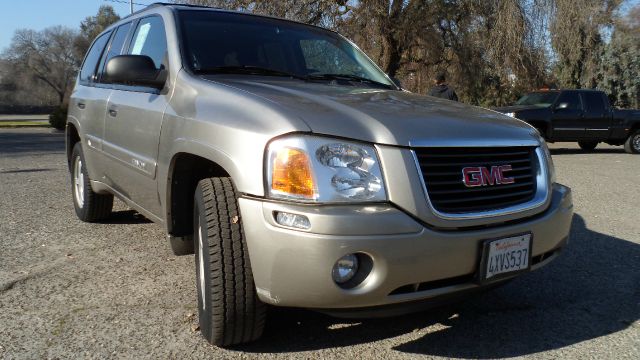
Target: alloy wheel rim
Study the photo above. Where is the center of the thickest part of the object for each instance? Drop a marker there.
(78, 182)
(636, 142)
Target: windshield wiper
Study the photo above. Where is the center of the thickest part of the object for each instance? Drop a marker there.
(348, 77)
(248, 70)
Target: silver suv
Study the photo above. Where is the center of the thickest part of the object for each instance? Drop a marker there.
(299, 173)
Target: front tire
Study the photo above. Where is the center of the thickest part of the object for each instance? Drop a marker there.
(89, 206)
(632, 145)
(228, 306)
(588, 145)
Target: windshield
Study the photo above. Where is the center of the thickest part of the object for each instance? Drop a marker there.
(541, 99)
(223, 42)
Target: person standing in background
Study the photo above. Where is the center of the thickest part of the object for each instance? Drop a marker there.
(442, 90)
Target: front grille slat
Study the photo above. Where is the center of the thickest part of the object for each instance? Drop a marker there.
(474, 163)
(480, 189)
(442, 173)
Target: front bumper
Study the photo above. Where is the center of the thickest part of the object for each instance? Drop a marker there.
(293, 268)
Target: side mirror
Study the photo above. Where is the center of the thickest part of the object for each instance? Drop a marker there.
(561, 106)
(134, 70)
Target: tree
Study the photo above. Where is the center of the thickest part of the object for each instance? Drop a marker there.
(577, 39)
(620, 65)
(46, 56)
(91, 26)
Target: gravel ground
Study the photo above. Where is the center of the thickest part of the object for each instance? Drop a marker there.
(114, 290)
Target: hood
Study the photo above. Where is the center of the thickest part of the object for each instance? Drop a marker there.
(382, 116)
(516, 108)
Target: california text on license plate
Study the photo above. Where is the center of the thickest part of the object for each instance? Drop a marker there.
(503, 257)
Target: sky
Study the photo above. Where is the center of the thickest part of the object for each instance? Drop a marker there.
(39, 14)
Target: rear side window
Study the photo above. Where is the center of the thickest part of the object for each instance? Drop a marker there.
(117, 43)
(593, 102)
(91, 61)
(149, 39)
(572, 99)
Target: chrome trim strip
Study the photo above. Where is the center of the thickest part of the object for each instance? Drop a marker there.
(569, 129)
(541, 196)
(591, 129)
(484, 142)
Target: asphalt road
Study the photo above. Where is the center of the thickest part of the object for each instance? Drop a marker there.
(114, 290)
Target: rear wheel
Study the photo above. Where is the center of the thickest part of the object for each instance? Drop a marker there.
(587, 145)
(228, 306)
(89, 206)
(632, 145)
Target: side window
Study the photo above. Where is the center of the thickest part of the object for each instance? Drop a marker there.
(572, 99)
(93, 56)
(149, 39)
(117, 43)
(593, 103)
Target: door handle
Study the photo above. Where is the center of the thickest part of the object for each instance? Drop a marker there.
(113, 112)
(81, 105)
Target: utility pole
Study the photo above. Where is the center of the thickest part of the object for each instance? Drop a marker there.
(131, 6)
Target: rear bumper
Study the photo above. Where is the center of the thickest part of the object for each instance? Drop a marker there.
(411, 262)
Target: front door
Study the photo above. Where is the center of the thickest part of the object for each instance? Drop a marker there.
(133, 123)
(567, 118)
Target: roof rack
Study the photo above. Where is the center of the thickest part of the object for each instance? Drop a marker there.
(156, 4)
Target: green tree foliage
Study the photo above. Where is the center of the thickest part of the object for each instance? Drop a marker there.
(577, 39)
(91, 26)
(619, 72)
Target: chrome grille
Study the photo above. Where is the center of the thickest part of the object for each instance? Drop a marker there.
(442, 173)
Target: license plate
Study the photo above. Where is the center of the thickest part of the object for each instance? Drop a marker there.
(505, 257)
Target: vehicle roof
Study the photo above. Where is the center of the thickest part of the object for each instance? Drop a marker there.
(207, 8)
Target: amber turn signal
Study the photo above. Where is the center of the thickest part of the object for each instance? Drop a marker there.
(291, 174)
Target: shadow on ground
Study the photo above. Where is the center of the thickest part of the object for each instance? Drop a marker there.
(590, 291)
(125, 217)
(31, 141)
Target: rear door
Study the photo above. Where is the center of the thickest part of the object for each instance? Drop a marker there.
(567, 118)
(134, 119)
(597, 119)
(88, 104)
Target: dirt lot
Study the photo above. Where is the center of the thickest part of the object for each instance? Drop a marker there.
(114, 290)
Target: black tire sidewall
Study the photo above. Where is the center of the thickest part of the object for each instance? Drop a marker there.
(588, 145)
(199, 221)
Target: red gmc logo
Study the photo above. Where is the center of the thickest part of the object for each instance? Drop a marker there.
(482, 176)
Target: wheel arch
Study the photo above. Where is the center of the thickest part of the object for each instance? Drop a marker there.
(186, 169)
(72, 136)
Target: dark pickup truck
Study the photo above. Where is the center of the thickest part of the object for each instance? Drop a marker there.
(584, 116)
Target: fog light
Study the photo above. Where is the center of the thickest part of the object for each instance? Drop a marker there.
(345, 268)
(293, 220)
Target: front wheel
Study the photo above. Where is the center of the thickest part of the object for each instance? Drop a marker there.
(632, 145)
(228, 306)
(588, 145)
(89, 205)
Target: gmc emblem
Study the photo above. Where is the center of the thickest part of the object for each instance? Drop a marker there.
(481, 176)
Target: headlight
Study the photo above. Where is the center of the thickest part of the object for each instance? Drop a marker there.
(316, 169)
(512, 114)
